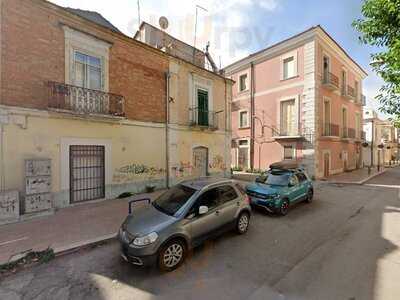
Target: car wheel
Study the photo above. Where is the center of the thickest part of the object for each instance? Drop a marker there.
(242, 223)
(171, 255)
(284, 208)
(310, 196)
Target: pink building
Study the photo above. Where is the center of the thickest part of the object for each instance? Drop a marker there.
(305, 96)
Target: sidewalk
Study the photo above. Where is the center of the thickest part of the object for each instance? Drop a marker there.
(359, 176)
(67, 229)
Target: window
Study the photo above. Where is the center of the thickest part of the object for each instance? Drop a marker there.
(243, 154)
(288, 118)
(358, 126)
(243, 119)
(294, 181)
(301, 177)
(202, 107)
(288, 152)
(173, 199)
(356, 87)
(326, 66)
(327, 118)
(88, 71)
(243, 82)
(344, 82)
(289, 67)
(208, 198)
(227, 193)
(344, 122)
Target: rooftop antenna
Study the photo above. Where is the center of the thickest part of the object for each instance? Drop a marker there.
(163, 22)
(139, 21)
(195, 30)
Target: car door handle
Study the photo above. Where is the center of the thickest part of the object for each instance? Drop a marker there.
(217, 212)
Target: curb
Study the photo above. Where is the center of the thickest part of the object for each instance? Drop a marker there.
(60, 251)
(361, 182)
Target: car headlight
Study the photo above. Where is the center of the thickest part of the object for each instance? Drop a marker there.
(146, 240)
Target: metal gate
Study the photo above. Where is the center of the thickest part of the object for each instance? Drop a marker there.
(87, 172)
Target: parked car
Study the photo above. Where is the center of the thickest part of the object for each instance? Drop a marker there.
(163, 231)
(283, 185)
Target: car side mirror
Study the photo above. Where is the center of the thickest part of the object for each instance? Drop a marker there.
(203, 210)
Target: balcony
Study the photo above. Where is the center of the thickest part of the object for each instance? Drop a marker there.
(350, 93)
(287, 132)
(363, 100)
(351, 132)
(203, 118)
(330, 81)
(330, 129)
(344, 133)
(82, 101)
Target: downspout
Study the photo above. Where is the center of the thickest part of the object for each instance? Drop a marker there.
(2, 178)
(226, 127)
(167, 78)
(252, 113)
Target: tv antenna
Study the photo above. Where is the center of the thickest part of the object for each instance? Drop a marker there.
(195, 30)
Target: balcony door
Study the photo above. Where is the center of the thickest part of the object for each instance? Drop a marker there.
(326, 68)
(202, 105)
(288, 118)
(87, 95)
(327, 118)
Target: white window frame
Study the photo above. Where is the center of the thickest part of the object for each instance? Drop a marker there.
(248, 151)
(247, 73)
(87, 77)
(77, 41)
(293, 146)
(297, 112)
(197, 82)
(326, 99)
(293, 54)
(341, 81)
(248, 118)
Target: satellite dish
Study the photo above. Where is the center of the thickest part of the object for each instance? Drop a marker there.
(163, 21)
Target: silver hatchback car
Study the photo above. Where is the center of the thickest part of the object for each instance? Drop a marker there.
(183, 217)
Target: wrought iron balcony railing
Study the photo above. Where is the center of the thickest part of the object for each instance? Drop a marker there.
(331, 81)
(203, 118)
(330, 129)
(351, 93)
(84, 101)
(351, 133)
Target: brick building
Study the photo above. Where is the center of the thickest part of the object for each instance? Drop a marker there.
(77, 91)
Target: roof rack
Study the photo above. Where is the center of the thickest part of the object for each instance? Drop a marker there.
(286, 165)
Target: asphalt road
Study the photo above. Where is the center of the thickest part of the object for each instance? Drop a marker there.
(345, 245)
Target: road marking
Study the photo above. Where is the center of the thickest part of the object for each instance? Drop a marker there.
(385, 186)
(14, 241)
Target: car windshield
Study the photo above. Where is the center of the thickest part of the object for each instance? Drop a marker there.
(173, 199)
(281, 179)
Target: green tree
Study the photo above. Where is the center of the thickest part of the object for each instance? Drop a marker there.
(380, 27)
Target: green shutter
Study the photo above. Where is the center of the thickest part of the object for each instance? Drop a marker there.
(202, 100)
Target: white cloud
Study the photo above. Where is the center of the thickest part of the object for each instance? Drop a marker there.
(225, 24)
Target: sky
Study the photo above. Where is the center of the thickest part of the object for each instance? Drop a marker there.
(237, 28)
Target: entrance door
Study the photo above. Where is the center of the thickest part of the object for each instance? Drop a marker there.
(200, 161)
(345, 160)
(87, 172)
(326, 165)
(202, 98)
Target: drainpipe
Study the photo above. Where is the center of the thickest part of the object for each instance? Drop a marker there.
(227, 139)
(252, 113)
(2, 179)
(167, 79)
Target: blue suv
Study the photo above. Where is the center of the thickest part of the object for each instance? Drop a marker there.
(283, 185)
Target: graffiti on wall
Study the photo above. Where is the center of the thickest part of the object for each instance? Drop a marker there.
(135, 171)
(183, 169)
(9, 205)
(218, 163)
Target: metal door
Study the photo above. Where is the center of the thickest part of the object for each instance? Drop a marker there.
(200, 161)
(87, 172)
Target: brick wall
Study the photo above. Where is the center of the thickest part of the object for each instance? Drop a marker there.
(33, 53)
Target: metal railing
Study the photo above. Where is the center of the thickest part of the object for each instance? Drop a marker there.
(203, 118)
(330, 80)
(289, 129)
(84, 101)
(351, 132)
(351, 93)
(330, 129)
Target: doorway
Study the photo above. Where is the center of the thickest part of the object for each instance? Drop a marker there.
(326, 164)
(87, 172)
(200, 161)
